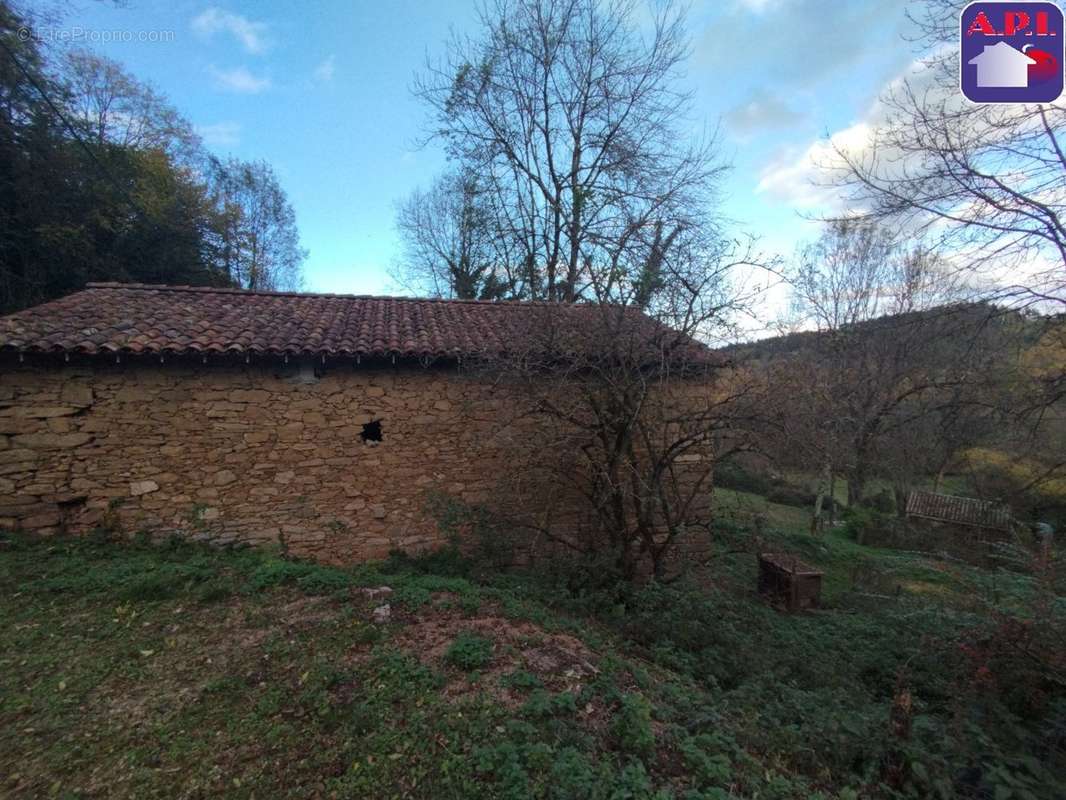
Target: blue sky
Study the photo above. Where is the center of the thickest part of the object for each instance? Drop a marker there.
(321, 91)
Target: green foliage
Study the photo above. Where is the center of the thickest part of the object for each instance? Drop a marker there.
(469, 651)
(522, 679)
(631, 727)
(473, 527)
(542, 704)
(859, 521)
(708, 757)
(446, 561)
(699, 692)
(312, 578)
(85, 202)
(573, 776)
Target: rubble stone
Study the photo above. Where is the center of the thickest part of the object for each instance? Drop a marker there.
(247, 455)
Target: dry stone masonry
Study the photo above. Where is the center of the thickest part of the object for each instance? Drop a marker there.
(322, 424)
(251, 454)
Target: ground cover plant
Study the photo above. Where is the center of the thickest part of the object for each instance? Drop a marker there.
(147, 670)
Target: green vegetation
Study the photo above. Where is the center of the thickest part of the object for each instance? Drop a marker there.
(136, 670)
(101, 179)
(469, 651)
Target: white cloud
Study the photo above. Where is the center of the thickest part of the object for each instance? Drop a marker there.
(800, 178)
(220, 134)
(803, 176)
(325, 71)
(213, 20)
(239, 80)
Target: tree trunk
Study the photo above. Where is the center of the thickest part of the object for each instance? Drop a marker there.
(833, 495)
(824, 483)
(939, 477)
(901, 492)
(856, 484)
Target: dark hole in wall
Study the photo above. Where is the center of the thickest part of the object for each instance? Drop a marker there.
(372, 431)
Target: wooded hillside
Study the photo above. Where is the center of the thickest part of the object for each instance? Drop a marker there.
(101, 179)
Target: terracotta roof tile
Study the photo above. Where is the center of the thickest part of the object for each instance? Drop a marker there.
(958, 510)
(139, 318)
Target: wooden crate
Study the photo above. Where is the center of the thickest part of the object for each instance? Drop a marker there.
(789, 582)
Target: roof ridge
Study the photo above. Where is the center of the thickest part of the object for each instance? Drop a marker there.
(164, 287)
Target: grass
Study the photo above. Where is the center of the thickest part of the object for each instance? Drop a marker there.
(140, 671)
(744, 507)
(848, 565)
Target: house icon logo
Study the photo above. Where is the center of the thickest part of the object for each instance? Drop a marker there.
(1000, 66)
(1011, 52)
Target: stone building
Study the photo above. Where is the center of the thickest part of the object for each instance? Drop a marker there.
(318, 422)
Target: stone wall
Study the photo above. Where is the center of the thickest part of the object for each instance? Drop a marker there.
(260, 454)
(255, 454)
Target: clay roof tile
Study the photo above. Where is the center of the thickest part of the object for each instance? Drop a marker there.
(138, 318)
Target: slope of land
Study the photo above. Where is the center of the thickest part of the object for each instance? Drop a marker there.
(133, 670)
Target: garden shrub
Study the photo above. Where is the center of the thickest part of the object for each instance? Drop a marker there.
(859, 521)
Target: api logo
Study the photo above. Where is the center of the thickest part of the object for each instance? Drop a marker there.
(1011, 52)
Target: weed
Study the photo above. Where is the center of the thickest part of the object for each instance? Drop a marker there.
(710, 694)
(469, 651)
(312, 578)
(214, 592)
(631, 727)
(149, 588)
(521, 679)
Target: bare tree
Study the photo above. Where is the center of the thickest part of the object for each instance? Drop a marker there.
(884, 347)
(450, 244)
(259, 244)
(985, 184)
(632, 415)
(116, 108)
(574, 121)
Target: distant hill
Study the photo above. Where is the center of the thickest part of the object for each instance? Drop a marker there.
(943, 321)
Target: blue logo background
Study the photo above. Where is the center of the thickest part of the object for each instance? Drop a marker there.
(1039, 89)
